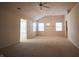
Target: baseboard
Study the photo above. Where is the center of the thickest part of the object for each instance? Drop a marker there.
(74, 44)
(9, 45)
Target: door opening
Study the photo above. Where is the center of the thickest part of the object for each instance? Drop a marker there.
(66, 29)
(23, 30)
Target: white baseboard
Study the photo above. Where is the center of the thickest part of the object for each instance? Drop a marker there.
(74, 44)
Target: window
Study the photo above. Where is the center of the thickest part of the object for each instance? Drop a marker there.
(34, 26)
(58, 26)
(40, 26)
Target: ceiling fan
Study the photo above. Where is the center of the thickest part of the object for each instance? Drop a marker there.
(43, 4)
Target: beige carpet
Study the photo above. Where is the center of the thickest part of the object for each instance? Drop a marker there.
(42, 47)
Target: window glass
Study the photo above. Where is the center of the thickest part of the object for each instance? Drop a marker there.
(40, 26)
(58, 26)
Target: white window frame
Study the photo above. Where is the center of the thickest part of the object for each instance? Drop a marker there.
(41, 27)
(59, 26)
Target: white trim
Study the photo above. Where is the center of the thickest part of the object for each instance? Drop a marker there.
(74, 43)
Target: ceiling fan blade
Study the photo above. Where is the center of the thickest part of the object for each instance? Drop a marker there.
(41, 5)
(46, 6)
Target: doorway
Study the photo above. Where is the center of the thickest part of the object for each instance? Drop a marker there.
(23, 30)
(66, 29)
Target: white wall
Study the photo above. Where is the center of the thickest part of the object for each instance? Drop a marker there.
(9, 26)
(30, 32)
(73, 25)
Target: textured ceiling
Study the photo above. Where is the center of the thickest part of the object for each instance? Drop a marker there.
(32, 9)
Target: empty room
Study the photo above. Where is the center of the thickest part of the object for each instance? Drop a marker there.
(39, 29)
